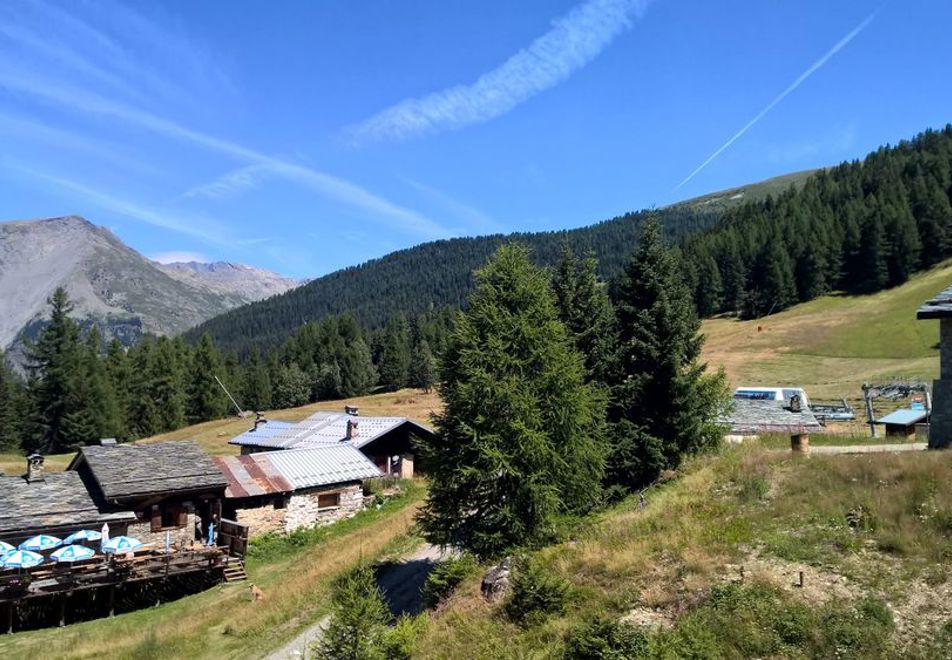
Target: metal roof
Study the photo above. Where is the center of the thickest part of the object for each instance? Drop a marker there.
(904, 417)
(939, 307)
(269, 430)
(251, 475)
(764, 416)
(321, 466)
(270, 473)
(327, 428)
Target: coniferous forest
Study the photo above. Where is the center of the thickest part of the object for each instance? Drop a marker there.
(858, 227)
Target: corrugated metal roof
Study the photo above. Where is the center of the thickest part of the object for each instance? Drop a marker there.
(322, 466)
(251, 475)
(327, 428)
(939, 307)
(904, 417)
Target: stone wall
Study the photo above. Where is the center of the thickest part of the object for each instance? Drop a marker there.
(182, 537)
(303, 510)
(940, 431)
(263, 519)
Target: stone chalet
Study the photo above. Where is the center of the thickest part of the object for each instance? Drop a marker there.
(940, 422)
(281, 491)
(57, 504)
(169, 486)
(386, 441)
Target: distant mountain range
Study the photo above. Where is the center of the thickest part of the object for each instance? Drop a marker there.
(111, 284)
(439, 274)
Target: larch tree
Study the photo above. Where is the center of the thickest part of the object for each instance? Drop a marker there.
(11, 406)
(206, 398)
(664, 404)
(423, 368)
(395, 357)
(518, 443)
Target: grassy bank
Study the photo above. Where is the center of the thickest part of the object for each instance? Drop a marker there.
(224, 622)
(712, 565)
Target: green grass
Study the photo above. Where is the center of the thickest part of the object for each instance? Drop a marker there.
(225, 622)
(868, 530)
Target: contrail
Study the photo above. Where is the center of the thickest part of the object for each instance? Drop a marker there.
(796, 83)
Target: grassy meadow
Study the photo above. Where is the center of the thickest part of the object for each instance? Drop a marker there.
(711, 566)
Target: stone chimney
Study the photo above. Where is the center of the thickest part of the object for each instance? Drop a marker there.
(34, 468)
(353, 411)
(353, 430)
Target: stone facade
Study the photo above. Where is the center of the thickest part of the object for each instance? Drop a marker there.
(182, 536)
(302, 509)
(940, 431)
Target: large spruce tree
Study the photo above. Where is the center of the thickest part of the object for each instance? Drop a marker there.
(395, 356)
(206, 398)
(664, 404)
(518, 442)
(11, 408)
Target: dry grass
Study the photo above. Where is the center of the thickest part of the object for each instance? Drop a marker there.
(225, 622)
(859, 526)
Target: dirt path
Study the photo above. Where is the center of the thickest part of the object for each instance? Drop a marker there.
(400, 580)
(869, 449)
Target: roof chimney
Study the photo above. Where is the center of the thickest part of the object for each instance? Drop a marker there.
(352, 429)
(34, 468)
(353, 411)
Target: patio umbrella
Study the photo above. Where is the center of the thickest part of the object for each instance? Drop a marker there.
(82, 535)
(121, 544)
(22, 559)
(40, 542)
(5, 548)
(72, 553)
(211, 534)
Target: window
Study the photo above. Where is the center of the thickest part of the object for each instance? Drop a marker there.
(168, 516)
(328, 500)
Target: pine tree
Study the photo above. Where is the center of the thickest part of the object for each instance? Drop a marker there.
(664, 404)
(143, 414)
(54, 365)
(583, 307)
(358, 621)
(710, 289)
(118, 374)
(98, 399)
(291, 387)
(772, 284)
(423, 367)
(519, 440)
(256, 384)
(357, 373)
(206, 398)
(11, 405)
(395, 355)
(168, 385)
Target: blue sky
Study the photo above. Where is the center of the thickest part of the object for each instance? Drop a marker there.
(305, 136)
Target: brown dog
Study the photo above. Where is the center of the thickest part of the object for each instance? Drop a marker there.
(256, 593)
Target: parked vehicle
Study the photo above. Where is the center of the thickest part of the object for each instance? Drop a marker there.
(784, 394)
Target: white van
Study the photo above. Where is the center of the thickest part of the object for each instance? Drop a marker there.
(784, 394)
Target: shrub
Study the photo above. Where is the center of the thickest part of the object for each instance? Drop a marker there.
(602, 638)
(535, 593)
(401, 641)
(445, 577)
(358, 618)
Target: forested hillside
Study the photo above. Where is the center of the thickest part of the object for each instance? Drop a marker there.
(859, 227)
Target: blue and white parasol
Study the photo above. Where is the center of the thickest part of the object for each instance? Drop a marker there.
(22, 559)
(40, 542)
(5, 548)
(70, 553)
(83, 535)
(121, 544)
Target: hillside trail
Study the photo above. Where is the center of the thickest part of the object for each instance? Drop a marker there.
(400, 580)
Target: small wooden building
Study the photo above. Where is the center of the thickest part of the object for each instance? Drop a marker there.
(281, 491)
(169, 486)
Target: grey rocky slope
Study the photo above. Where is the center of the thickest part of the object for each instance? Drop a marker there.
(109, 283)
(238, 282)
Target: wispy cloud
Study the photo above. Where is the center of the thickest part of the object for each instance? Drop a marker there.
(75, 98)
(176, 257)
(231, 183)
(473, 219)
(574, 40)
(200, 227)
(837, 47)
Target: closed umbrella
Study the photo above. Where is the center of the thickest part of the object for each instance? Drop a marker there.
(211, 534)
(105, 534)
(121, 544)
(22, 559)
(70, 553)
(40, 542)
(5, 548)
(83, 535)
